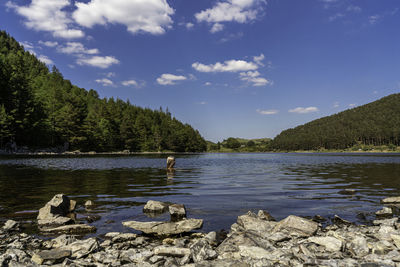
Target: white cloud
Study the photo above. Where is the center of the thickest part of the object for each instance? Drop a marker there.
(45, 60)
(228, 66)
(352, 105)
(302, 110)
(207, 84)
(76, 48)
(353, 8)
(267, 112)
(373, 19)
(98, 61)
(335, 17)
(170, 79)
(231, 36)
(202, 103)
(259, 59)
(48, 43)
(217, 27)
(240, 11)
(254, 78)
(150, 16)
(336, 104)
(189, 25)
(48, 15)
(105, 82)
(27, 45)
(130, 83)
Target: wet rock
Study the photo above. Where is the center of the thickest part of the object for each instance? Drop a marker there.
(155, 207)
(54, 256)
(296, 226)
(170, 162)
(55, 211)
(89, 204)
(171, 251)
(92, 218)
(177, 212)
(387, 222)
(264, 215)
(384, 212)
(340, 221)
(201, 250)
(72, 205)
(330, 243)
(391, 200)
(165, 228)
(319, 219)
(347, 192)
(71, 229)
(11, 225)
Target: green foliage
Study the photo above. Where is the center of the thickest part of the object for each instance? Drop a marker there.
(232, 143)
(358, 129)
(39, 108)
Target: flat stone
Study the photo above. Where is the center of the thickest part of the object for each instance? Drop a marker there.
(385, 211)
(391, 200)
(330, 243)
(171, 251)
(82, 248)
(52, 255)
(10, 225)
(72, 229)
(124, 237)
(177, 212)
(54, 221)
(165, 228)
(253, 252)
(387, 222)
(297, 226)
(153, 206)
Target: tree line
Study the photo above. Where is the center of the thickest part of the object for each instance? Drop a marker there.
(39, 108)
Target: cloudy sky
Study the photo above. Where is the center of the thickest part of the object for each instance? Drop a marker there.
(242, 68)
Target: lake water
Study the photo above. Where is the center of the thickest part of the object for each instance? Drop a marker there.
(214, 187)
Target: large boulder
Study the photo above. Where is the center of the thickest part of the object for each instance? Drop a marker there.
(55, 211)
(165, 228)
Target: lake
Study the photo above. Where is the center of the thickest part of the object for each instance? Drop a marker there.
(214, 187)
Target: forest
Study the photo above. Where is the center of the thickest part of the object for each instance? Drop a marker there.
(41, 109)
(374, 124)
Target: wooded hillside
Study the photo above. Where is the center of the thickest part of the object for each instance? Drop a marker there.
(376, 123)
(39, 108)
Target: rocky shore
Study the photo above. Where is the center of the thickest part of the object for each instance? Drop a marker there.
(254, 240)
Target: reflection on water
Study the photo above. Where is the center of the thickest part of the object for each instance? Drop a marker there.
(215, 187)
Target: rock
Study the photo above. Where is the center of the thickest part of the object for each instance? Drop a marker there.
(347, 192)
(89, 204)
(388, 222)
(330, 243)
(177, 212)
(165, 228)
(253, 252)
(385, 212)
(72, 229)
(62, 240)
(171, 251)
(55, 211)
(170, 162)
(358, 246)
(124, 237)
(391, 200)
(153, 206)
(211, 238)
(82, 248)
(396, 240)
(264, 215)
(223, 263)
(55, 221)
(201, 250)
(251, 222)
(340, 221)
(72, 205)
(11, 225)
(297, 226)
(54, 255)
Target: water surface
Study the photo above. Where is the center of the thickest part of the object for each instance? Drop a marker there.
(214, 187)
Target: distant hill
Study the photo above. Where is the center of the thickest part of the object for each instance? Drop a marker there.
(41, 109)
(232, 144)
(373, 124)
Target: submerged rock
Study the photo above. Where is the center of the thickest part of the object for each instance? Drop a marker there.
(165, 228)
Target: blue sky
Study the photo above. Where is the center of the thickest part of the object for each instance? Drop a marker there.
(242, 68)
